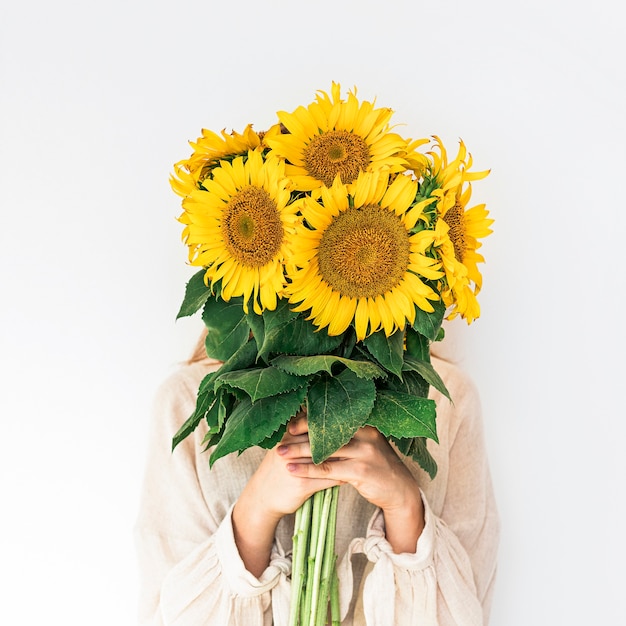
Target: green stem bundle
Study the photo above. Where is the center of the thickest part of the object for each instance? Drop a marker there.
(314, 584)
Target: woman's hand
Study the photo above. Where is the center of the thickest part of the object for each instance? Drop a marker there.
(372, 467)
(287, 476)
(272, 492)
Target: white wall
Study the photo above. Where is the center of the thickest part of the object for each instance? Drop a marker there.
(97, 100)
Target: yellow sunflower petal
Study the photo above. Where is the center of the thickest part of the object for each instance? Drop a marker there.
(333, 137)
(361, 319)
(344, 312)
(400, 194)
(239, 227)
(385, 315)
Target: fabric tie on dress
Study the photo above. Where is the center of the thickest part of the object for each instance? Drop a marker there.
(281, 593)
(379, 605)
(243, 584)
(381, 598)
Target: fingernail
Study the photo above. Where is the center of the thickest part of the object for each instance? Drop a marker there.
(291, 467)
(282, 449)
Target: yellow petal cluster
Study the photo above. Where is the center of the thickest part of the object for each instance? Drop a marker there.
(358, 261)
(209, 149)
(335, 137)
(356, 225)
(458, 230)
(240, 225)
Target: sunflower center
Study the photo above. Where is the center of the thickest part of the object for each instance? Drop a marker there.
(455, 219)
(253, 231)
(364, 252)
(336, 152)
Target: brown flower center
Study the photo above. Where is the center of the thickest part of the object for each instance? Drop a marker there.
(336, 152)
(455, 219)
(364, 252)
(253, 231)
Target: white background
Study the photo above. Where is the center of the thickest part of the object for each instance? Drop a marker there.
(98, 100)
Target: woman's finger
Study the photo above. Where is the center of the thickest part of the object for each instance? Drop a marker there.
(295, 449)
(316, 473)
(298, 425)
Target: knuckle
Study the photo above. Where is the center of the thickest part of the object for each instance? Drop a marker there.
(326, 467)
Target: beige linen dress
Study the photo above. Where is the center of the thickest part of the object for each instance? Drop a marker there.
(191, 573)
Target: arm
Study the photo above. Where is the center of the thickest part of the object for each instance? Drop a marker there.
(453, 569)
(190, 570)
(433, 551)
(468, 509)
(273, 491)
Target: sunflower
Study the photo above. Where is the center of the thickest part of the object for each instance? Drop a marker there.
(208, 150)
(239, 226)
(357, 260)
(334, 137)
(458, 230)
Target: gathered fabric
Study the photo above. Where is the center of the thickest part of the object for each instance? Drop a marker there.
(191, 573)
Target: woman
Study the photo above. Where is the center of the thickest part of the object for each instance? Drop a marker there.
(214, 545)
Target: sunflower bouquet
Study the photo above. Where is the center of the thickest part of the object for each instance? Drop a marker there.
(331, 249)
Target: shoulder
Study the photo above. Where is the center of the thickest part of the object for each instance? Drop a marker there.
(175, 397)
(463, 408)
(186, 377)
(457, 380)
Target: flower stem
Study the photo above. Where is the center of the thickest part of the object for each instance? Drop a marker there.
(335, 609)
(298, 572)
(317, 599)
(329, 558)
(307, 604)
(314, 580)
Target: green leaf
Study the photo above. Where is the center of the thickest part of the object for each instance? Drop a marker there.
(257, 326)
(213, 406)
(191, 423)
(388, 351)
(403, 415)
(419, 453)
(416, 449)
(349, 342)
(227, 326)
(207, 382)
(196, 294)
(417, 345)
(210, 440)
(273, 324)
(305, 365)
(262, 382)
(220, 411)
(427, 372)
(287, 332)
(301, 337)
(428, 324)
(411, 383)
(207, 407)
(273, 440)
(337, 407)
(403, 445)
(252, 423)
(243, 358)
(280, 316)
(216, 417)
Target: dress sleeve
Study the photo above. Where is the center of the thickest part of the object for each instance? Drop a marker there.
(190, 571)
(448, 581)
